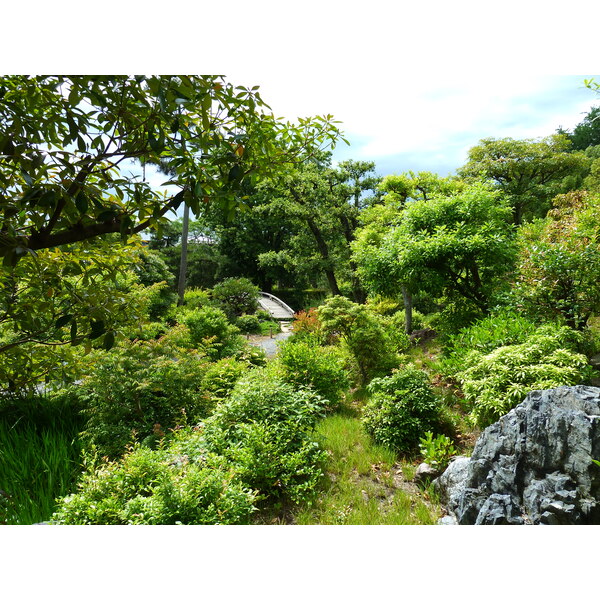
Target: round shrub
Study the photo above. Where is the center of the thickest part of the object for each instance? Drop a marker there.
(196, 298)
(236, 296)
(220, 377)
(496, 382)
(138, 392)
(322, 369)
(159, 487)
(248, 324)
(401, 409)
(265, 428)
(210, 330)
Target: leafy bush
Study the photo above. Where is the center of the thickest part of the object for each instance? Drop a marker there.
(152, 269)
(248, 324)
(321, 369)
(401, 408)
(196, 298)
(436, 451)
(163, 486)
(500, 329)
(211, 331)
(220, 377)
(236, 296)
(495, 383)
(139, 391)
(397, 320)
(560, 259)
(265, 430)
(363, 334)
(307, 324)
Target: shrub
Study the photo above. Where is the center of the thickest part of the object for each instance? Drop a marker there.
(236, 296)
(211, 331)
(500, 329)
(321, 369)
(265, 430)
(152, 269)
(397, 321)
(495, 383)
(163, 486)
(248, 324)
(364, 335)
(436, 451)
(401, 408)
(139, 391)
(220, 378)
(307, 324)
(196, 298)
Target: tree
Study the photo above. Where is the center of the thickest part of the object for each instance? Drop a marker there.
(560, 261)
(397, 190)
(529, 172)
(457, 247)
(586, 133)
(64, 143)
(323, 205)
(64, 140)
(60, 298)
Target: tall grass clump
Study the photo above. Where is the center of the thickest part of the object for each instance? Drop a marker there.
(37, 465)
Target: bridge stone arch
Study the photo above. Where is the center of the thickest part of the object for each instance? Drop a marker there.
(276, 307)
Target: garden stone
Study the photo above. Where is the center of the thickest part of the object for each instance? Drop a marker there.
(534, 466)
(425, 472)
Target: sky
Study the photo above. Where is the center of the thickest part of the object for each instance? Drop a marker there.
(431, 124)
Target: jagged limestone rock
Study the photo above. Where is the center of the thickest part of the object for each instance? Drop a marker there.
(534, 466)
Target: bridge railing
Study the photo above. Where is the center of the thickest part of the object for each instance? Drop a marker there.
(278, 301)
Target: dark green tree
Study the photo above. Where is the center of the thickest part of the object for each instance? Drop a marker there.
(529, 172)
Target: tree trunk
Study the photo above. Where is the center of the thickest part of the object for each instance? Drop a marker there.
(184, 255)
(408, 310)
(324, 252)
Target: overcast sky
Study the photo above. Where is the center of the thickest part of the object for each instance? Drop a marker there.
(430, 123)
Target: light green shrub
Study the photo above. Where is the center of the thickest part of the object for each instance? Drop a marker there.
(322, 369)
(248, 324)
(211, 331)
(500, 329)
(401, 408)
(362, 332)
(436, 450)
(139, 391)
(163, 486)
(265, 429)
(220, 378)
(196, 298)
(496, 382)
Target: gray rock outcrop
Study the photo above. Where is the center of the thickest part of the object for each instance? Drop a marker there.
(534, 466)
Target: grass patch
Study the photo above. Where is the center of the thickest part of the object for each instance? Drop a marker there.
(365, 484)
(37, 465)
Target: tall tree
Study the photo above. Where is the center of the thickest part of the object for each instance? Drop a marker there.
(529, 172)
(457, 247)
(63, 140)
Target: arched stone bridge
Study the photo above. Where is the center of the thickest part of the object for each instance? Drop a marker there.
(277, 308)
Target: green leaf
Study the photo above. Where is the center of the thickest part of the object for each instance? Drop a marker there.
(81, 203)
(98, 328)
(109, 340)
(235, 173)
(73, 331)
(62, 321)
(107, 215)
